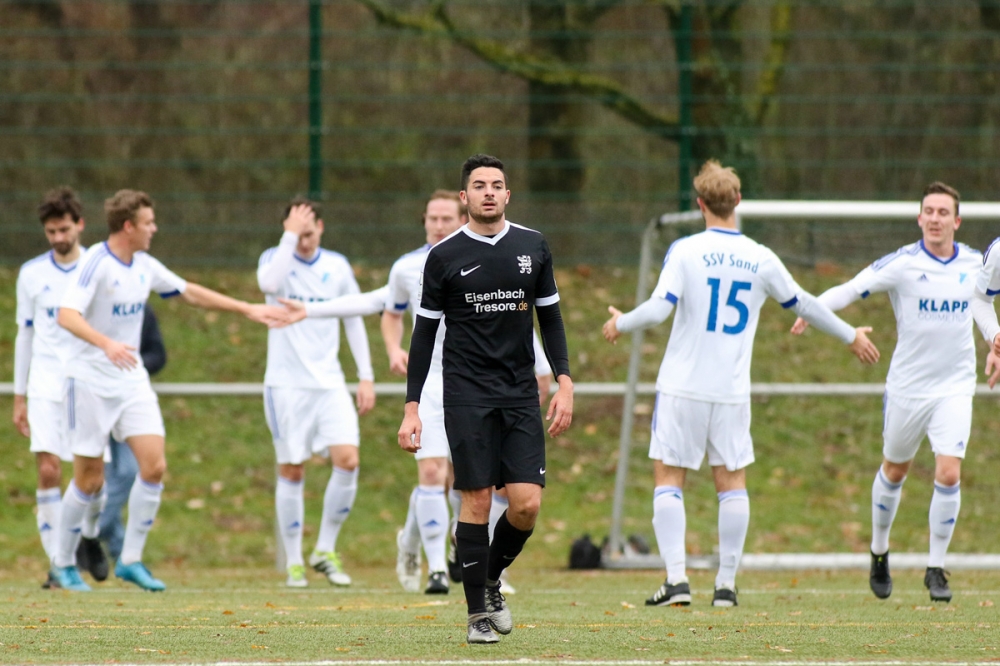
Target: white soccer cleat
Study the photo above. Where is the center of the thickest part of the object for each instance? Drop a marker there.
(407, 565)
(329, 565)
(296, 576)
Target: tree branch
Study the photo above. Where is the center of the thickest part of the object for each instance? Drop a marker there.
(770, 77)
(549, 72)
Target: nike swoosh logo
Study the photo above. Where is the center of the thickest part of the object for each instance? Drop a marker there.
(541, 471)
(466, 272)
(466, 566)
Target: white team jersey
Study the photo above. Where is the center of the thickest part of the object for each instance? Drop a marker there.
(718, 279)
(305, 355)
(112, 295)
(404, 294)
(988, 282)
(41, 284)
(935, 352)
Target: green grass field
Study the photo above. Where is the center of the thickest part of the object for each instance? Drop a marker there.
(246, 615)
(213, 542)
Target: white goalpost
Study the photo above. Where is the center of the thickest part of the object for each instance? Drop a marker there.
(618, 555)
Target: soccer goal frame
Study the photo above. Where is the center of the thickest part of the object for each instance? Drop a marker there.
(618, 555)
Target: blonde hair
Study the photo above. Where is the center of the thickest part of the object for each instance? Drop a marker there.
(123, 206)
(449, 195)
(718, 187)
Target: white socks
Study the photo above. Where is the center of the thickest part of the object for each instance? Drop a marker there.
(670, 526)
(885, 502)
(143, 503)
(49, 506)
(432, 519)
(290, 507)
(497, 507)
(91, 526)
(73, 509)
(337, 503)
(455, 501)
(945, 503)
(411, 528)
(734, 519)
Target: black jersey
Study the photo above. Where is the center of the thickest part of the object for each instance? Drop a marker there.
(487, 289)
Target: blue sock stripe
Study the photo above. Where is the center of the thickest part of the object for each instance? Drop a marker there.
(345, 472)
(733, 494)
(947, 490)
(432, 493)
(294, 484)
(157, 487)
(887, 483)
(673, 490)
(48, 495)
(80, 494)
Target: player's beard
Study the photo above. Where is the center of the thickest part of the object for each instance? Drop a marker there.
(62, 249)
(482, 217)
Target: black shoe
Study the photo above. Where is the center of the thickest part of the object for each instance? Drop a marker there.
(879, 578)
(935, 581)
(437, 583)
(454, 566)
(724, 597)
(671, 595)
(51, 583)
(90, 557)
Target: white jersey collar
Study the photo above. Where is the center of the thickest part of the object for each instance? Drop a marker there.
(491, 240)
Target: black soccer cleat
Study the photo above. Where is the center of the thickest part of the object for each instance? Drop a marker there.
(90, 556)
(437, 583)
(879, 579)
(935, 581)
(671, 595)
(724, 597)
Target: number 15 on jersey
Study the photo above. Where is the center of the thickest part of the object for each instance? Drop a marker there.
(732, 301)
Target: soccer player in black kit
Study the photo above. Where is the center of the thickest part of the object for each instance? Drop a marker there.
(486, 279)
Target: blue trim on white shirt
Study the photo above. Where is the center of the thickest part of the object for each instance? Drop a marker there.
(866, 294)
(987, 253)
(170, 294)
(670, 297)
(400, 306)
(790, 303)
(28, 323)
(731, 232)
(992, 292)
(309, 262)
(92, 262)
(939, 259)
(68, 269)
(128, 265)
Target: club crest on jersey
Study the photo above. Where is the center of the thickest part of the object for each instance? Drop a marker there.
(961, 277)
(524, 263)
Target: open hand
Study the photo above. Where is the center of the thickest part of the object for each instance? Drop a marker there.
(863, 348)
(610, 329)
(800, 326)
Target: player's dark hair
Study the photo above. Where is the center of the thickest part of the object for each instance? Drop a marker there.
(299, 200)
(937, 187)
(447, 195)
(122, 207)
(58, 203)
(477, 161)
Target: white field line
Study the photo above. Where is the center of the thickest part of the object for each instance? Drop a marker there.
(565, 662)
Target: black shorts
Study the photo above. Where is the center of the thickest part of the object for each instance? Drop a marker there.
(494, 446)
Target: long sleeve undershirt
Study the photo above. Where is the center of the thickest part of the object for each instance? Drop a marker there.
(22, 358)
(550, 324)
(357, 340)
(421, 350)
(985, 316)
(352, 305)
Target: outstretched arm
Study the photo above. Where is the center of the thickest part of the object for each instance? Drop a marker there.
(652, 312)
(811, 309)
(834, 298)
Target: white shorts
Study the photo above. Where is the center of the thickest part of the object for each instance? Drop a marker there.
(684, 429)
(48, 428)
(308, 421)
(433, 438)
(947, 422)
(91, 418)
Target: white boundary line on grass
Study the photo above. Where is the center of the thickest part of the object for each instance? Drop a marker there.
(565, 662)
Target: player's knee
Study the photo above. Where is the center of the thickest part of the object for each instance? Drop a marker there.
(293, 473)
(895, 472)
(947, 476)
(523, 514)
(153, 472)
(49, 473)
(345, 458)
(431, 472)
